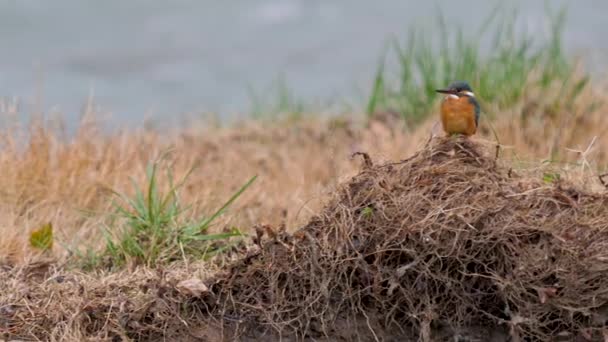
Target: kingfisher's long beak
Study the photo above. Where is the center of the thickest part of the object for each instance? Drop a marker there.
(446, 91)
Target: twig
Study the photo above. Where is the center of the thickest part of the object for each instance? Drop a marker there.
(601, 178)
(583, 154)
(367, 161)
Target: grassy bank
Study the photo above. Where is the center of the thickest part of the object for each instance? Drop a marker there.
(538, 105)
(447, 244)
(71, 184)
(113, 235)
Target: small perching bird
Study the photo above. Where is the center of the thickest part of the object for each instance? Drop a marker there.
(459, 109)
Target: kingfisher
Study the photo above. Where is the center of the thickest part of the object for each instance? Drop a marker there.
(459, 109)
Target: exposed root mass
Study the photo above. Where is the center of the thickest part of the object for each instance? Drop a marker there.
(443, 244)
(440, 242)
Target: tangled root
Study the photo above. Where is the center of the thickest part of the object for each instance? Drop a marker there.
(441, 244)
(445, 245)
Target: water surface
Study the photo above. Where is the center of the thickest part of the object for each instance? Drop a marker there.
(161, 59)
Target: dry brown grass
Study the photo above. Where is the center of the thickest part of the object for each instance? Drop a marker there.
(298, 163)
(42, 302)
(447, 243)
(53, 180)
(439, 242)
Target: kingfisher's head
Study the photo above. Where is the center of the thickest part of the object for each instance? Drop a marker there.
(458, 89)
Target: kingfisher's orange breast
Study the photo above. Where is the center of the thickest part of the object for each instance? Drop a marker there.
(458, 116)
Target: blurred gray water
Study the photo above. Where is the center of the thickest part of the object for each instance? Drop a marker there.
(162, 59)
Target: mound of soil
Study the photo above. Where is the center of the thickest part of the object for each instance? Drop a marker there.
(443, 246)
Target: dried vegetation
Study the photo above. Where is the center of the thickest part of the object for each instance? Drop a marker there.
(446, 243)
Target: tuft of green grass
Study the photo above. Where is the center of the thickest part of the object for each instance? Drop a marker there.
(149, 228)
(499, 76)
(278, 101)
(551, 177)
(367, 212)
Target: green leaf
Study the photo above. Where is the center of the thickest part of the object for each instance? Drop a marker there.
(42, 238)
(551, 177)
(578, 87)
(218, 236)
(220, 211)
(377, 90)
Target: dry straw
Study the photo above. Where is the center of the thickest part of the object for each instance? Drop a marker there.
(433, 245)
(444, 244)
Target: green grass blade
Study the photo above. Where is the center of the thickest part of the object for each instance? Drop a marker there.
(203, 226)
